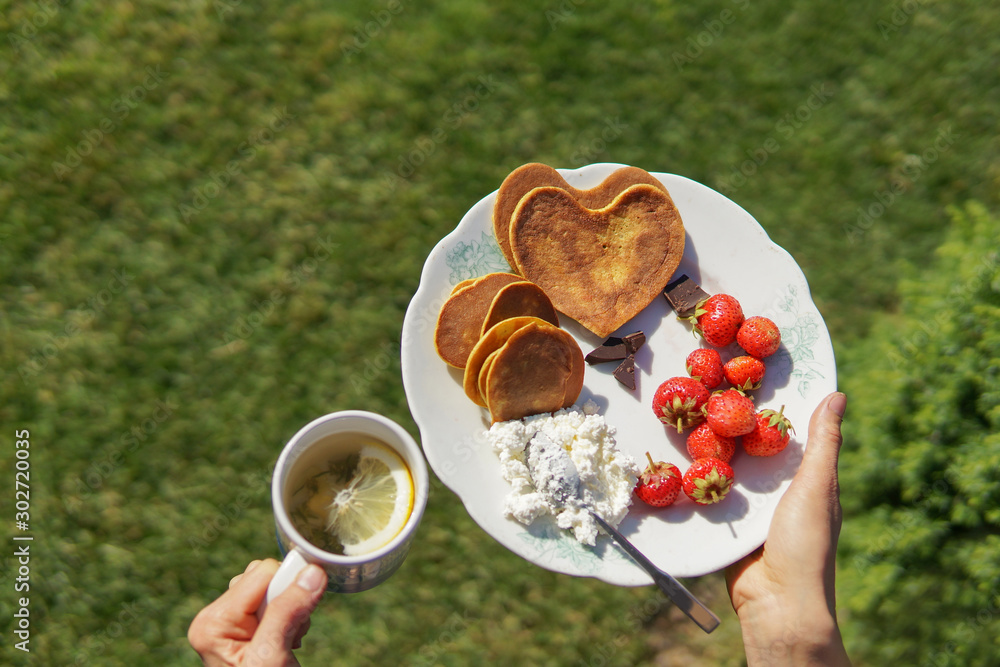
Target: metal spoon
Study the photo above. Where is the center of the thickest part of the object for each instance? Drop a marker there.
(560, 481)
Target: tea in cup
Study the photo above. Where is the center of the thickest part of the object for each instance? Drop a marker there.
(348, 492)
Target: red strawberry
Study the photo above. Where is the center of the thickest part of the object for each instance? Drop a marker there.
(730, 413)
(705, 364)
(770, 435)
(708, 481)
(759, 337)
(718, 319)
(659, 484)
(680, 401)
(745, 373)
(703, 442)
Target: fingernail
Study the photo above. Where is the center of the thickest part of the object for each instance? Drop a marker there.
(311, 578)
(838, 404)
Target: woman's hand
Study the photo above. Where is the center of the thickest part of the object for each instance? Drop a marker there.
(228, 633)
(784, 592)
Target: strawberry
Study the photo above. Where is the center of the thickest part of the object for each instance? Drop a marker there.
(659, 484)
(759, 337)
(703, 442)
(730, 413)
(705, 364)
(717, 319)
(680, 401)
(745, 373)
(770, 434)
(708, 480)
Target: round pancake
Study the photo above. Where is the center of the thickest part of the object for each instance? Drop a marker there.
(539, 369)
(517, 299)
(461, 318)
(468, 282)
(484, 374)
(489, 342)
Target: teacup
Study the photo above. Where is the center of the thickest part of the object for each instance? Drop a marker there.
(346, 574)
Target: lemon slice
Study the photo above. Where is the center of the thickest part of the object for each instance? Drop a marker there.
(375, 504)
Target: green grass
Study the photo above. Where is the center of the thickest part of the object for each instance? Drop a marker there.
(212, 218)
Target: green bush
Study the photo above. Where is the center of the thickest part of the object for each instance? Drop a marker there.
(920, 555)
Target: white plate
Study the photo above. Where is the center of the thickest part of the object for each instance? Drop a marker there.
(726, 251)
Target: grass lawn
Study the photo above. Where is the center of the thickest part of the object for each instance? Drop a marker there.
(213, 216)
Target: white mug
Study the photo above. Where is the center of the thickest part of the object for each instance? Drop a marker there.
(345, 574)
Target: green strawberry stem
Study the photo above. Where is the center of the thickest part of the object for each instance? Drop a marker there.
(779, 420)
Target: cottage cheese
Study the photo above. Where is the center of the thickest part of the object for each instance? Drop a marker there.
(607, 475)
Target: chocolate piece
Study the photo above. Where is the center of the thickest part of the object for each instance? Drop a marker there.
(684, 295)
(625, 373)
(634, 341)
(616, 349)
(613, 349)
(620, 349)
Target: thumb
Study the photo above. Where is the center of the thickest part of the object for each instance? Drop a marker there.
(815, 488)
(286, 615)
(823, 448)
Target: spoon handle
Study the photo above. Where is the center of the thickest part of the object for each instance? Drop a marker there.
(674, 590)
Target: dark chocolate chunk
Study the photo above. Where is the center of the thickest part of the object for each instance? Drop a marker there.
(613, 349)
(684, 294)
(634, 341)
(616, 349)
(625, 373)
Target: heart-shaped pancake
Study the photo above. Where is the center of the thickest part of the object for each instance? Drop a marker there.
(533, 175)
(600, 267)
